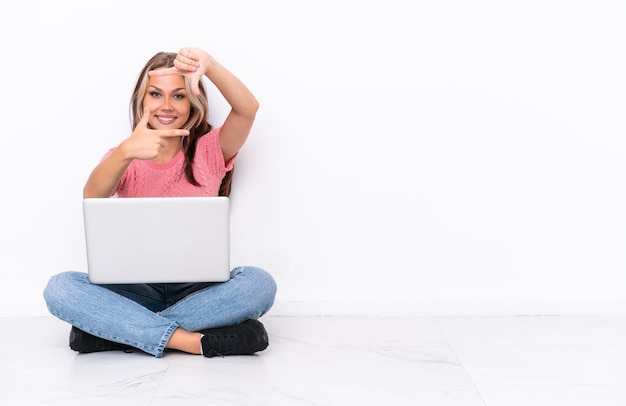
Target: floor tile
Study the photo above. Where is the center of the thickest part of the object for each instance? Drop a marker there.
(551, 395)
(567, 365)
(534, 330)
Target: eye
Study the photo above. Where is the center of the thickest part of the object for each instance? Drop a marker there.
(155, 94)
(179, 96)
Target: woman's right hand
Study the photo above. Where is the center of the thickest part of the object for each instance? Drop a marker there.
(143, 143)
(146, 143)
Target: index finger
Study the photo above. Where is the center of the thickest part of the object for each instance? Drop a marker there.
(166, 71)
(172, 133)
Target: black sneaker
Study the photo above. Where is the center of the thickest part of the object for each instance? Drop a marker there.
(241, 339)
(85, 343)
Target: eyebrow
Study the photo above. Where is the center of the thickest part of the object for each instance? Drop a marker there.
(161, 90)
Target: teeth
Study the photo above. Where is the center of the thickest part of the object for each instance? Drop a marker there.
(166, 118)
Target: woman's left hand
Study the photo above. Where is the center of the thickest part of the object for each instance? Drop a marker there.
(190, 62)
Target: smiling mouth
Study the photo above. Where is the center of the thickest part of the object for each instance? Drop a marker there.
(165, 120)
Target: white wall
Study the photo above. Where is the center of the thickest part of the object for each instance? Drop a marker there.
(410, 157)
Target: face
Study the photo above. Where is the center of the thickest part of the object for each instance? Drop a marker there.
(166, 99)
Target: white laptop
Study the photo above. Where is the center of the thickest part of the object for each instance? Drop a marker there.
(157, 239)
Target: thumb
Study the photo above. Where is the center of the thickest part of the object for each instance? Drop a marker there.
(195, 88)
(144, 118)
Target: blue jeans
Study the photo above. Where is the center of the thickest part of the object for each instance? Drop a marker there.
(145, 316)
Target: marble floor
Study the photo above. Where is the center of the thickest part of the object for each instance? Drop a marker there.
(486, 361)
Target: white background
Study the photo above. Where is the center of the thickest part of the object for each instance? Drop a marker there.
(409, 157)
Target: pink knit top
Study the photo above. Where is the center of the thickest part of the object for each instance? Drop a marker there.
(152, 179)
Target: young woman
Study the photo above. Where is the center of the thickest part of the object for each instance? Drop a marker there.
(172, 151)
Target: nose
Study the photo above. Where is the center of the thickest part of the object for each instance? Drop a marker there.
(167, 104)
